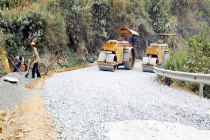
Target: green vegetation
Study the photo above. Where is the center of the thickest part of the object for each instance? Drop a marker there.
(64, 26)
(187, 14)
(177, 58)
(193, 56)
(198, 54)
(189, 19)
(71, 60)
(23, 30)
(75, 26)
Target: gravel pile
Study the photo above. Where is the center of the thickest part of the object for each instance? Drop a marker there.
(11, 94)
(82, 101)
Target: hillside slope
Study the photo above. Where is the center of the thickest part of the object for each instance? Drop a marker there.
(81, 27)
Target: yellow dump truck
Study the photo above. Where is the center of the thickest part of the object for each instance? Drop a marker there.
(157, 54)
(117, 52)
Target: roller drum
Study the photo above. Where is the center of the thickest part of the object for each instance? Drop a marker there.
(148, 64)
(111, 58)
(152, 61)
(106, 67)
(129, 58)
(147, 69)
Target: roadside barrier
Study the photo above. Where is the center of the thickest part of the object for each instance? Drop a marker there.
(199, 78)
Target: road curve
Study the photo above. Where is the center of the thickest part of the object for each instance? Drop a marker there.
(84, 101)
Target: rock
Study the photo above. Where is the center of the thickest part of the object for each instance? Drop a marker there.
(11, 135)
(11, 79)
(19, 135)
(1, 119)
(3, 113)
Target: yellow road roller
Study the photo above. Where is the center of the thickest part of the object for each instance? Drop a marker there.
(117, 52)
(157, 53)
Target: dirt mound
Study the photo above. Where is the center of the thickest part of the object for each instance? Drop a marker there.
(30, 120)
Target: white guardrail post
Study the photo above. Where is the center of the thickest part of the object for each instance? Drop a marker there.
(199, 78)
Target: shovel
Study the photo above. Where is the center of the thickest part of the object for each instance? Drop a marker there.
(28, 70)
(27, 74)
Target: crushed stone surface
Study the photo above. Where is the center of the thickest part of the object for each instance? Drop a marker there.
(83, 102)
(11, 94)
(21, 77)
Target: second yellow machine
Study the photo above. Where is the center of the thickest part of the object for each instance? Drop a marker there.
(157, 53)
(117, 52)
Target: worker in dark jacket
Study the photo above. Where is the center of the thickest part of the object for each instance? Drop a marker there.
(133, 42)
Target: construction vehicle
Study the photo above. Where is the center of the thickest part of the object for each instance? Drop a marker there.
(157, 53)
(117, 52)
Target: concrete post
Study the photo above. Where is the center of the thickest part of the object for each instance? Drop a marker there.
(201, 90)
(180, 83)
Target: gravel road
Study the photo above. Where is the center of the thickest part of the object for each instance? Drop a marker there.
(83, 102)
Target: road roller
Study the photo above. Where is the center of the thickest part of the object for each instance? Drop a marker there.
(117, 52)
(157, 53)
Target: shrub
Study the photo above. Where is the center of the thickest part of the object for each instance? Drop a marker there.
(162, 21)
(176, 61)
(78, 21)
(178, 6)
(70, 59)
(198, 54)
(23, 30)
(2, 43)
(193, 56)
(91, 58)
(48, 31)
(206, 91)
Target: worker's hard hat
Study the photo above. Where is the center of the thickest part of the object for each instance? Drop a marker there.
(33, 44)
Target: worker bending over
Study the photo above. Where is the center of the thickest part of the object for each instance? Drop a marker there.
(18, 65)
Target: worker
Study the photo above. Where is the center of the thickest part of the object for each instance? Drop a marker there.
(35, 59)
(18, 65)
(160, 41)
(133, 42)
